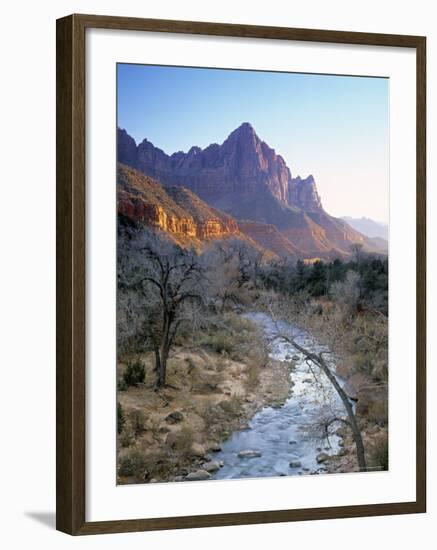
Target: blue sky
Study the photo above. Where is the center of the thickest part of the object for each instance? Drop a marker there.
(334, 127)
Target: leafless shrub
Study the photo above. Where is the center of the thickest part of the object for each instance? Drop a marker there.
(137, 421)
(379, 453)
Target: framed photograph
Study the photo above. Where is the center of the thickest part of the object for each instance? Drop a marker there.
(240, 274)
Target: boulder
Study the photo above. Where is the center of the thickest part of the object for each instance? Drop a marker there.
(295, 464)
(211, 466)
(322, 457)
(197, 450)
(198, 475)
(215, 448)
(249, 453)
(174, 417)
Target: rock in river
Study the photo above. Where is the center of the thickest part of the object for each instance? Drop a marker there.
(211, 466)
(295, 464)
(197, 450)
(198, 475)
(322, 457)
(249, 453)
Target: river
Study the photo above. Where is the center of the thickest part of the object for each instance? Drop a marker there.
(285, 438)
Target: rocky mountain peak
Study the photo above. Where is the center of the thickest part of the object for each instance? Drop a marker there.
(304, 193)
(194, 150)
(243, 178)
(244, 130)
(245, 139)
(242, 165)
(126, 148)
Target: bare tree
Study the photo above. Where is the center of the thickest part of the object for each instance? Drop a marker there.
(283, 312)
(258, 259)
(358, 253)
(233, 267)
(351, 421)
(222, 273)
(349, 291)
(168, 280)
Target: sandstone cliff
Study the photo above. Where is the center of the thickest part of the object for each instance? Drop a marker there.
(174, 210)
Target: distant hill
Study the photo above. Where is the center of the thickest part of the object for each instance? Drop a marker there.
(368, 227)
(379, 244)
(245, 179)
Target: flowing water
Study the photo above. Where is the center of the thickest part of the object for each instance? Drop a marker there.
(285, 436)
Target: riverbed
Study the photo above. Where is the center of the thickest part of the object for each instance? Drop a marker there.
(286, 440)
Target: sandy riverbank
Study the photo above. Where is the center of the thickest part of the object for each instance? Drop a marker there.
(173, 432)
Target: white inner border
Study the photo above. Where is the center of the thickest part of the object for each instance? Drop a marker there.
(105, 500)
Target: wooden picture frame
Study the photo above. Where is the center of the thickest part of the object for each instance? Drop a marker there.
(71, 248)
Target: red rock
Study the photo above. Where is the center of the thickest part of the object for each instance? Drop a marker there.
(248, 180)
(174, 210)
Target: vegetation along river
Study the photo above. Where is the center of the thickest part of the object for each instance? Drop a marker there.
(286, 440)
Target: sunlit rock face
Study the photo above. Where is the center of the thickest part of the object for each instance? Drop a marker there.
(174, 210)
